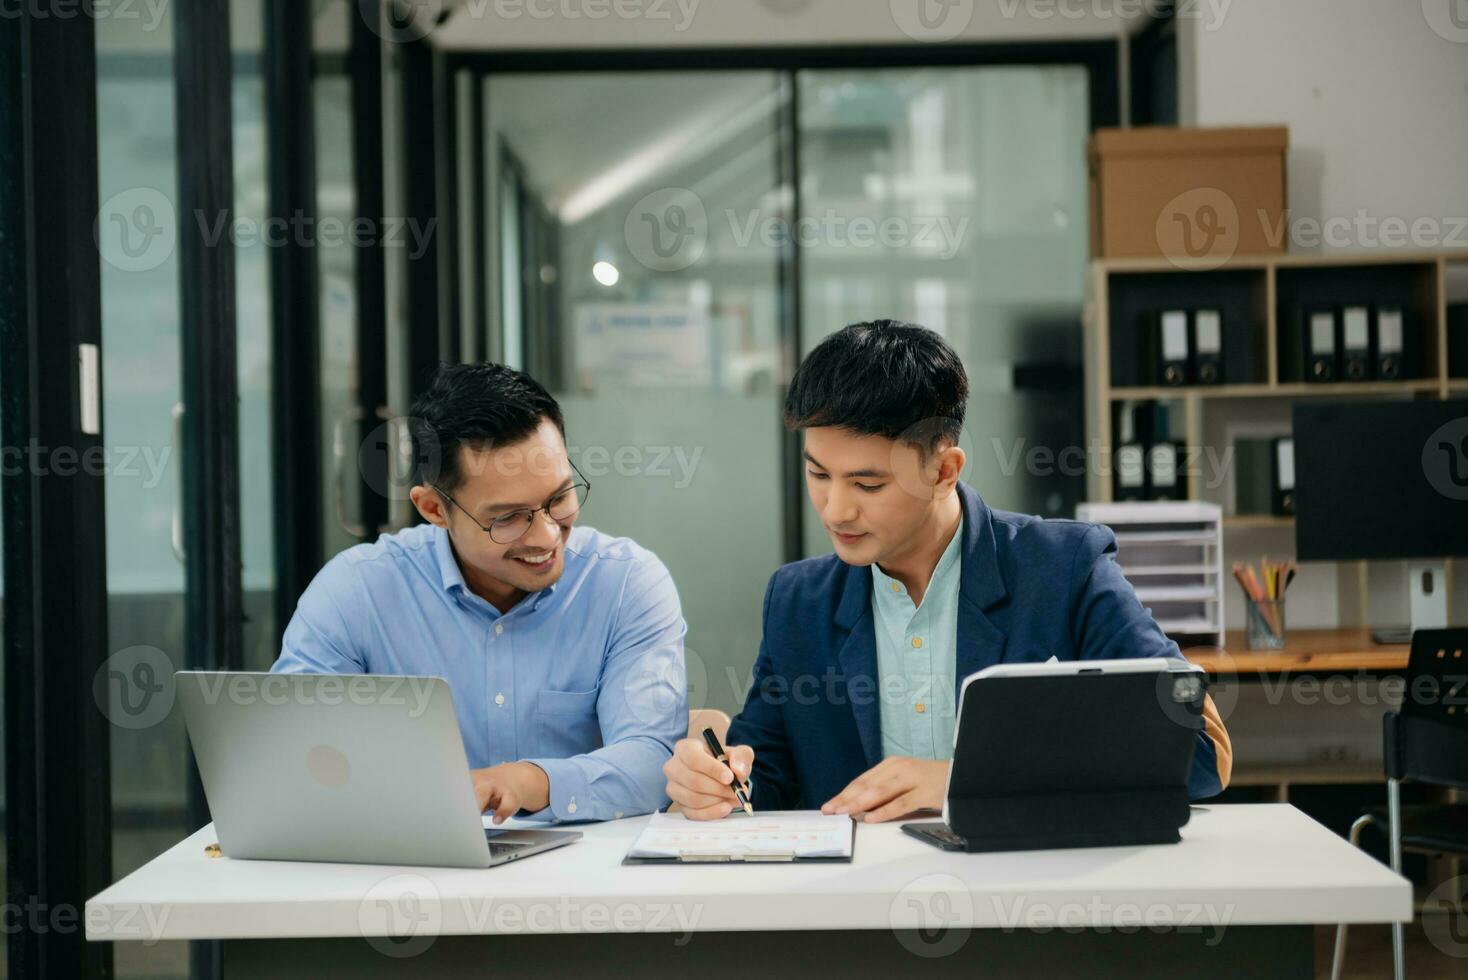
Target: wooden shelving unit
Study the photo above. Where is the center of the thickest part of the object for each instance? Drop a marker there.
(1256, 521)
(1261, 290)
(1289, 389)
(1255, 282)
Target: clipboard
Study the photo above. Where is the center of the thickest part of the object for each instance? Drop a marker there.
(766, 838)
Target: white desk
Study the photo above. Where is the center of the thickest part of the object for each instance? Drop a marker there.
(1237, 896)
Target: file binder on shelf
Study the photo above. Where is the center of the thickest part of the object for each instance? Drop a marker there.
(1131, 463)
(1282, 476)
(1172, 344)
(1458, 340)
(1355, 343)
(1208, 347)
(1389, 343)
(1163, 478)
(1320, 345)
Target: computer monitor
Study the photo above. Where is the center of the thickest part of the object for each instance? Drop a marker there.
(1385, 480)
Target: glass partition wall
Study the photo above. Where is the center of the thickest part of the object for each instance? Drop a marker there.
(664, 244)
(956, 198)
(142, 397)
(638, 299)
(142, 402)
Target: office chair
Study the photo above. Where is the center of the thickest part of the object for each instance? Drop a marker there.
(1426, 741)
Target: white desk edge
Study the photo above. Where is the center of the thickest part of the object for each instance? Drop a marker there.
(1257, 864)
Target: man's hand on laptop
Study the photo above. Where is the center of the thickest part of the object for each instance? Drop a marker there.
(702, 785)
(507, 789)
(893, 788)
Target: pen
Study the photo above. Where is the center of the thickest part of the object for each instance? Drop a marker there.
(740, 793)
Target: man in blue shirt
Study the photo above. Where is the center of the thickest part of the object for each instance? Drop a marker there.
(852, 708)
(563, 646)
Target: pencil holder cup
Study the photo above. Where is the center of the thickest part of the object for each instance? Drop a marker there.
(1266, 624)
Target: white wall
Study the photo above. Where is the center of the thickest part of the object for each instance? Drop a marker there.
(1376, 100)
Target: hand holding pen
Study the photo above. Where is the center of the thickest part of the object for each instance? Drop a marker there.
(702, 777)
(741, 788)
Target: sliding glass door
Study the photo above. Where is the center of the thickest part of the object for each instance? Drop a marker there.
(661, 246)
(138, 233)
(131, 558)
(142, 404)
(956, 198)
(636, 291)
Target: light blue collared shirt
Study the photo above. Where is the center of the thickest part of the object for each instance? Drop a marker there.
(586, 678)
(917, 657)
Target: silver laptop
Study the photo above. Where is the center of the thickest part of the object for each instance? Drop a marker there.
(329, 767)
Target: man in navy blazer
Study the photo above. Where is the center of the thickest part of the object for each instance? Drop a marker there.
(881, 406)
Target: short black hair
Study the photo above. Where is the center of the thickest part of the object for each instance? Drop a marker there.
(476, 405)
(882, 378)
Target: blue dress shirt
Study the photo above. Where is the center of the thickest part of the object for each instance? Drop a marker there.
(917, 659)
(586, 678)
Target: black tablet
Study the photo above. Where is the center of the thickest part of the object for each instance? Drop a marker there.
(1073, 754)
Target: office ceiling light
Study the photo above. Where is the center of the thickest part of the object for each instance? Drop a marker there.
(606, 273)
(690, 140)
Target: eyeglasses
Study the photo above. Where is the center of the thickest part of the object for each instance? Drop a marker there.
(511, 527)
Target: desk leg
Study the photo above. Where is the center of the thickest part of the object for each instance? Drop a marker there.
(1275, 952)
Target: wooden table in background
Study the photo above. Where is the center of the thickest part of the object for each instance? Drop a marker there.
(1333, 651)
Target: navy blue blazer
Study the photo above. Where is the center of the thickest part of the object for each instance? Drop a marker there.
(1030, 589)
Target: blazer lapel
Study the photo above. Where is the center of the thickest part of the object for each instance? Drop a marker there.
(858, 657)
(980, 642)
(981, 587)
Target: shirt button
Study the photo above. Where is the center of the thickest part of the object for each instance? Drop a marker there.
(499, 628)
(499, 700)
(917, 642)
(570, 808)
(617, 815)
(921, 707)
(896, 587)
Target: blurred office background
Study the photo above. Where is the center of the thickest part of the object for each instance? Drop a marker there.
(656, 221)
(943, 186)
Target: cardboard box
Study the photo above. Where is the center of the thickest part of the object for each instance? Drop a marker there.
(1199, 196)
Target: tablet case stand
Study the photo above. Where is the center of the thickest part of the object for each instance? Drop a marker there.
(1098, 761)
(1059, 820)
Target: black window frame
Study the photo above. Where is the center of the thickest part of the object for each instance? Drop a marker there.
(57, 740)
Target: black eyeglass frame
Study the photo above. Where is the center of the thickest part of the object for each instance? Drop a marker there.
(532, 511)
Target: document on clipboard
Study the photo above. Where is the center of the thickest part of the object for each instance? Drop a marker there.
(776, 836)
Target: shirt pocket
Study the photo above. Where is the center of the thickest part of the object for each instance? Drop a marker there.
(568, 721)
